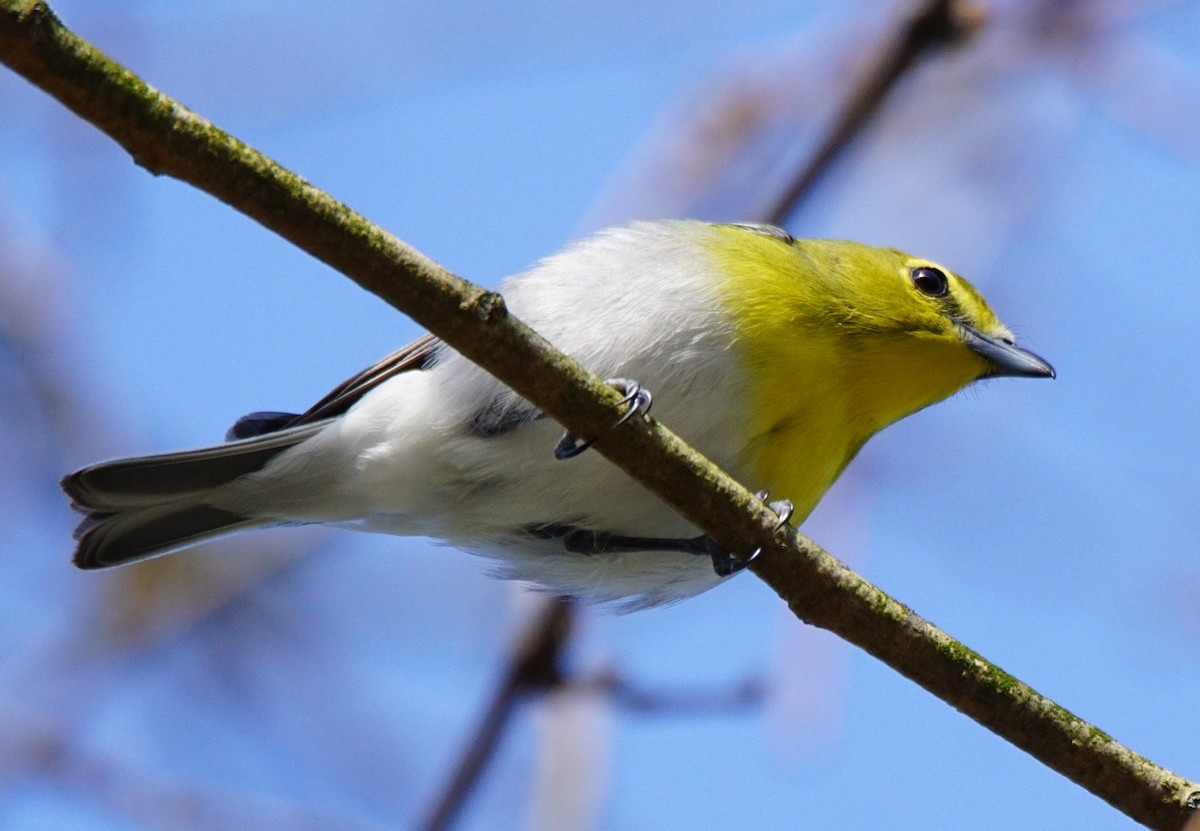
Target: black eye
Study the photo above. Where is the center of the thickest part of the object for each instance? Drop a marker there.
(930, 280)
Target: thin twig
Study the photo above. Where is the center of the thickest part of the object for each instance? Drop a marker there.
(935, 23)
(165, 137)
(536, 667)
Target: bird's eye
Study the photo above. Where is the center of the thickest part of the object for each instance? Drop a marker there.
(929, 280)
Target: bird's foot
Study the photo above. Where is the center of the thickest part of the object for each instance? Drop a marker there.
(637, 400)
(724, 563)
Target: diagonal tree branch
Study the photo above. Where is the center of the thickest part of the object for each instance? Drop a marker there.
(165, 137)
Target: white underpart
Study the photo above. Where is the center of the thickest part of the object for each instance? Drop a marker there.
(404, 461)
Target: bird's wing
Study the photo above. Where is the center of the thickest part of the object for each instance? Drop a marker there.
(416, 355)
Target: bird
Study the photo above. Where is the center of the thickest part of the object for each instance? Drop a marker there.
(776, 357)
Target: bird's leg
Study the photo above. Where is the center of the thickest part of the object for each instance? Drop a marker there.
(585, 541)
(636, 397)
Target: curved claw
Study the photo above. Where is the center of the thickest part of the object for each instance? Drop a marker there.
(569, 446)
(636, 396)
(637, 400)
(725, 564)
(783, 509)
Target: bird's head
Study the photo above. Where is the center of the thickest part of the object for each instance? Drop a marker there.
(896, 332)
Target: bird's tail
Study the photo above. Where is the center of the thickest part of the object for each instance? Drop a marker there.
(142, 507)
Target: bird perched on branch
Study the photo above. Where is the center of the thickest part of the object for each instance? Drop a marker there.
(775, 357)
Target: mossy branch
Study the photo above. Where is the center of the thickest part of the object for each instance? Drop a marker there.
(166, 138)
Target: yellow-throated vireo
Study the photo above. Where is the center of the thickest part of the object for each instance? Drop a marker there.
(775, 357)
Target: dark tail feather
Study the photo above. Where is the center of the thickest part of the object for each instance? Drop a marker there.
(140, 508)
(115, 539)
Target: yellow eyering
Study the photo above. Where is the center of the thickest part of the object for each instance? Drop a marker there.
(837, 344)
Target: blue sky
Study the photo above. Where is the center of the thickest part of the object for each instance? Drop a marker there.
(1051, 526)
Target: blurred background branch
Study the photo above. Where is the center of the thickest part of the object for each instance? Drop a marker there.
(931, 24)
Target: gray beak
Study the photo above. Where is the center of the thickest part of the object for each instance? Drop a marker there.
(1005, 359)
